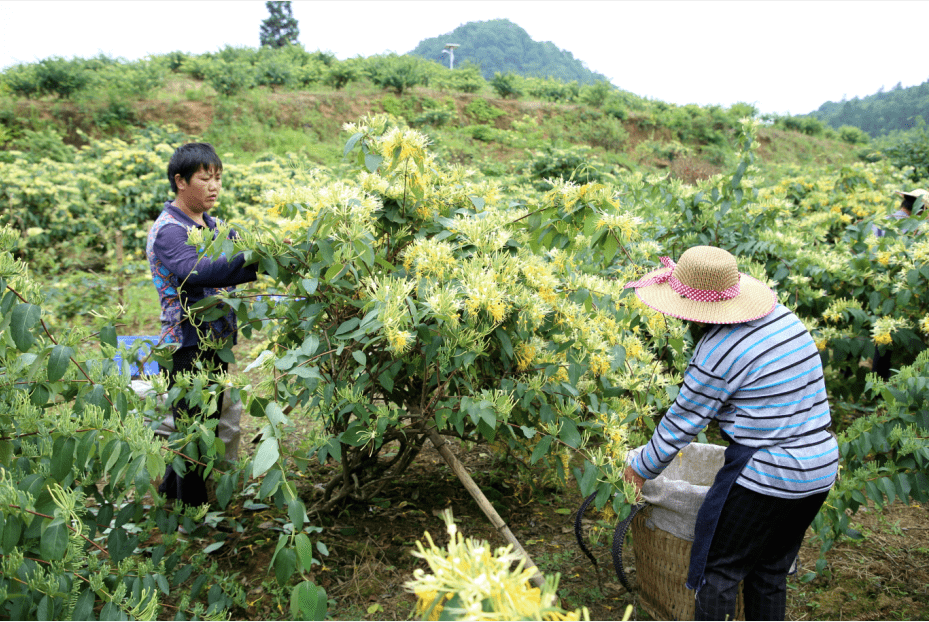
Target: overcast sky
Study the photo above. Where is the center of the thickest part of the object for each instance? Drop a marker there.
(783, 57)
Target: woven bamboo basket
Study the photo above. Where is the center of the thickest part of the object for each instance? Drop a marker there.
(661, 563)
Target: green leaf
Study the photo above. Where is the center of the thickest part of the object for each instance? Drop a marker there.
(265, 457)
(359, 356)
(350, 144)
(888, 487)
(44, 609)
(6, 451)
(270, 484)
(309, 285)
(610, 247)
(586, 480)
(224, 490)
(39, 395)
(54, 540)
(903, 486)
(541, 449)
(269, 265)
(275, 415)
(214, 546)
(108, 336)
(58, 362)
(386, 381)
(505, 343)
(12, 530)
(296, 511)
(285, 565)
(304, 551)
(23, 318)
(527, 432)
(116, 448)
(373, 161)
(84, 608)
(569, 434)
(62, 458)
(308, 602)
(333, 271)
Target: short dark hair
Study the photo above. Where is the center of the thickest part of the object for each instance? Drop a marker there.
(190, 158)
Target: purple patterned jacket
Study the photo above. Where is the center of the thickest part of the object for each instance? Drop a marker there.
(182, 280)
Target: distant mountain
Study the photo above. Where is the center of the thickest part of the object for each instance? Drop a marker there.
(500, 45)
(885, 111)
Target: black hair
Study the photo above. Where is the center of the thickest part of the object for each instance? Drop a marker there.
(190, 158)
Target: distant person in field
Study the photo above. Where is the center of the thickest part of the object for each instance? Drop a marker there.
(880, 364)
(758, 374)
(182, 279)
(906, 207)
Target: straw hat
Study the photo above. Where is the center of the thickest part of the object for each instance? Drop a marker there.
(919, 192)
(705, 286)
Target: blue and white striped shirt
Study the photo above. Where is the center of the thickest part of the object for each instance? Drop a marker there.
(763, 382)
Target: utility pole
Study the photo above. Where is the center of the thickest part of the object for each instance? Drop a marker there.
(450, 50)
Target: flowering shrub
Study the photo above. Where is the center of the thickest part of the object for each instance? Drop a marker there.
(417, 299)
(885, 455)
(77, 466)
(470, 582)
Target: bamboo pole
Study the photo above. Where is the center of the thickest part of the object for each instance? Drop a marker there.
(483, 503)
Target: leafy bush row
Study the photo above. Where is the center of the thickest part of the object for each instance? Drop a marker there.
(59, 197)
(83, 532)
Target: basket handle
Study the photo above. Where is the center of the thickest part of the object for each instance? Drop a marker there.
(577, 533)
(619, 536)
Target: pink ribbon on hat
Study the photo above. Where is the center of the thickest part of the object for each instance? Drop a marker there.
(692, 293)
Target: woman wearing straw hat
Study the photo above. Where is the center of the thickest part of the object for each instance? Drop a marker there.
(757, 373)
(907, 203)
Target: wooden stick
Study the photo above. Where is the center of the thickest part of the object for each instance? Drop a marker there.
(483, 503)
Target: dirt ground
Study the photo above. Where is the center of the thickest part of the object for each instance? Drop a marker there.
(882, 577)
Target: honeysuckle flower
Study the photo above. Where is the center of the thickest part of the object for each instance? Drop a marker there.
(490, 585)
(883, 328)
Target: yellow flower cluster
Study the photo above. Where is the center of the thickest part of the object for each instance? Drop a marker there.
(526, 353)
(919, 252)
(883, 328)
(623, 224)
(617, 435)
(429, 258)
(924, 324)
(490, 585)
(569, 194)
(599, 365)
(540, 276)
(483, 291)
(399, 340)
(838, 308)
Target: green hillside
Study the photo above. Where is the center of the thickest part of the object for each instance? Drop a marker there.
(256, 102)
(501, 46)
(899, 109)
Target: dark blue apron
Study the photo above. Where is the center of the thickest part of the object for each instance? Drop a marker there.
(737, 456)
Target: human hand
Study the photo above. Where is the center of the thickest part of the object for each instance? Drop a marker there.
(631, 476)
